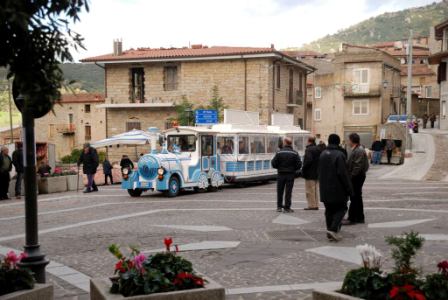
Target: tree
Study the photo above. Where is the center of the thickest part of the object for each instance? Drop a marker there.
(36, 38)
(185, 112)
(217, 103)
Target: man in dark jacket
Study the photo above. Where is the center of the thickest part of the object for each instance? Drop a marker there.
(90, 161)
(126, 163)
(17, 161)
(334, 185)
(5, 168)
(107, 170)
(309, 173)
(377, 151)
(358, 165)
(287, 162)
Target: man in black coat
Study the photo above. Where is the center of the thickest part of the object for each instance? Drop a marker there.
(334, 185)
(89, 159)
(287, 162)
(17, 161)
(309, 173)
(5, 168)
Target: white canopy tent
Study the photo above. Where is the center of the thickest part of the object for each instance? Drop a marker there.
(133, 137)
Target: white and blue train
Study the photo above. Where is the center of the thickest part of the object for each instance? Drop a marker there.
(203, 158)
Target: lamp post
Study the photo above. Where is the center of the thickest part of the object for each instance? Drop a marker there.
(35, 260)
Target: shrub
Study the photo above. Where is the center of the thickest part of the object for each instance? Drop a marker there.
(13, 278)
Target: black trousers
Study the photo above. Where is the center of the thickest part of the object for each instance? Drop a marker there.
(389, 155)
(108, 176)
(432, 124)
(356, 210)
(285, 183)
(4, 185)
(334, 213)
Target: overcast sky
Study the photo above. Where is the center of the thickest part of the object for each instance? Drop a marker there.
(257, 23)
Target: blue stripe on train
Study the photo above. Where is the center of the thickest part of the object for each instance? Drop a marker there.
(250, 165)
(235, 166)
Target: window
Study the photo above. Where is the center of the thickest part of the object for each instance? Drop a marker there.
(170, 78)
(298, 143)
(87, 108)
(278, 76)
(137, 85)
(70, 118)
(185, 143)
(317, 114)
(257, 144)
(445, 40)
(317, 92)
(88, 133)
(274, 143)
(226, 145)
(207, 148)
(300, 81)
(300, 122)
(443, 109)
(291, 86)
(360, 107)
(51, 131)
(428, 91)
(243, 145)
(361, 81)
(133, 125)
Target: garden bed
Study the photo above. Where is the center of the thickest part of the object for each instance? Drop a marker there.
(49, 185)
(39, 292)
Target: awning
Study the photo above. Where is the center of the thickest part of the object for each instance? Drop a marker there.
(133, 137)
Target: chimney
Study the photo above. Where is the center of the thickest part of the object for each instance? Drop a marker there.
(196, 46)
(272, 46)
(118, 47)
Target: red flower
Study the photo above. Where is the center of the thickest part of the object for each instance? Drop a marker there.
(443, 267)
(119, 267)
(168, 241)
(397, 293)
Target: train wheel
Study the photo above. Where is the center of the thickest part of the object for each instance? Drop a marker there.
(135, 193)
(173, 187)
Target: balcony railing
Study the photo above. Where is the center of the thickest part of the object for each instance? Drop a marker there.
(65, 128)
(360, 90)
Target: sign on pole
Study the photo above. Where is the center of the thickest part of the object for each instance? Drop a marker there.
(206, 117)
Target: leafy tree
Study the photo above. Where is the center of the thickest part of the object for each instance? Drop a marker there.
(36, 38)
(217, 103)
(185, 112)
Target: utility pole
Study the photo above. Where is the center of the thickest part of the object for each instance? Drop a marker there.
(409, 88)
(10, 111)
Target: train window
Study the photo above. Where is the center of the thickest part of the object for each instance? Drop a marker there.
(185, 143)
(273, 143)
(243, 145)
(207, 145)
(298, 143)
(226, 145)
(257, 144)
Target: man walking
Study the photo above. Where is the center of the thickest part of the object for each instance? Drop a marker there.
(107, 170)
(358, 165)
(287, 162)
(17, 161)
(89, 159)
(309, 173)
(334, 186)
(377, 151)
(433, 119)
(390, 145)
(425, 120)
(5, 168)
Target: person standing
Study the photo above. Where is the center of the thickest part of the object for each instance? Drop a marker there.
(107, 170)
(390, 146)
(334, 186)
(126, 163)
(5, 168)
(89, 160)
(425, 120)
(309, 173)
(377, 151)
(433, 119)
(358, 165)
(17, 161)
(287, 162)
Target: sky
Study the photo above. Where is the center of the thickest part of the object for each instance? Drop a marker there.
(253, 23)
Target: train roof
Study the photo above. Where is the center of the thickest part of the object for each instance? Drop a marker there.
(238, 129)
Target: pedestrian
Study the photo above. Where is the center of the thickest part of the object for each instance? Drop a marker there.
(126, 163)
(5, 168)
(287, 162)
(425, 120)
(17, 161)
(309, 173)
(44, 169)
(334, 186)
(433, 119)
(107, 170)
(377, 151)
(358, 165)
(321, 146)
(415, 128)
(90, 162)
(390, 146)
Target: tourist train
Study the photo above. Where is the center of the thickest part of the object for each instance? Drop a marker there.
(204, 157)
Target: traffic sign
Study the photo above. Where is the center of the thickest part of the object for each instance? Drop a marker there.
(206, 116)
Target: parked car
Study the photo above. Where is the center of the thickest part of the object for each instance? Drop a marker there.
(403, 119)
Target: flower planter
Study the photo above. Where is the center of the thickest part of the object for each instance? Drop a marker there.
(39, 292)
(48, 185)
(331, 295)
(99, 290)
(72, 181)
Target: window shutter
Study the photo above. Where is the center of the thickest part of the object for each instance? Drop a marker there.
(441, 72)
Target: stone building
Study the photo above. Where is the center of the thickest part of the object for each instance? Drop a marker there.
(143, 85)
(441, 60)
(356, 94)
(75, 120)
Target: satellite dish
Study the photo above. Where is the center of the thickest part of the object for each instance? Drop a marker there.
(38, 110)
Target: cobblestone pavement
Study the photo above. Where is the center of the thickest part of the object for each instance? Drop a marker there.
(271, 261)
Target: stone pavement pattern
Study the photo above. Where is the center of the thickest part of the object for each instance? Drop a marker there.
(240, 240)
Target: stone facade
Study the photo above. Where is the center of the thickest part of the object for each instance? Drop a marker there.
(67, 126)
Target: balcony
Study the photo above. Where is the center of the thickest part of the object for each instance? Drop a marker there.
(66, 129)
(360, 91)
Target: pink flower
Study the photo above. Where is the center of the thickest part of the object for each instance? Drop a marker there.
(12, 258)
(22, 255)
(138, 261)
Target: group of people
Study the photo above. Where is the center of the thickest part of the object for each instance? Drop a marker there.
(6, 164)
(432, 118)
(378, 148)
(330, 177)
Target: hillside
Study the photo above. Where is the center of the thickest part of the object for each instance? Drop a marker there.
(385, 27)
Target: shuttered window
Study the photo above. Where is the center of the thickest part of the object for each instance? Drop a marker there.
(133, 125)
(88, 133)
(170, 78)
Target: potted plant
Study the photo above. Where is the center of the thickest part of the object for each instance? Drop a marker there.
(74, 180)
(160, 276)
(53, 183)
(405, 282)
(18, 283)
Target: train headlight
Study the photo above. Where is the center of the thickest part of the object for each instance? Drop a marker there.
(160, 172)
